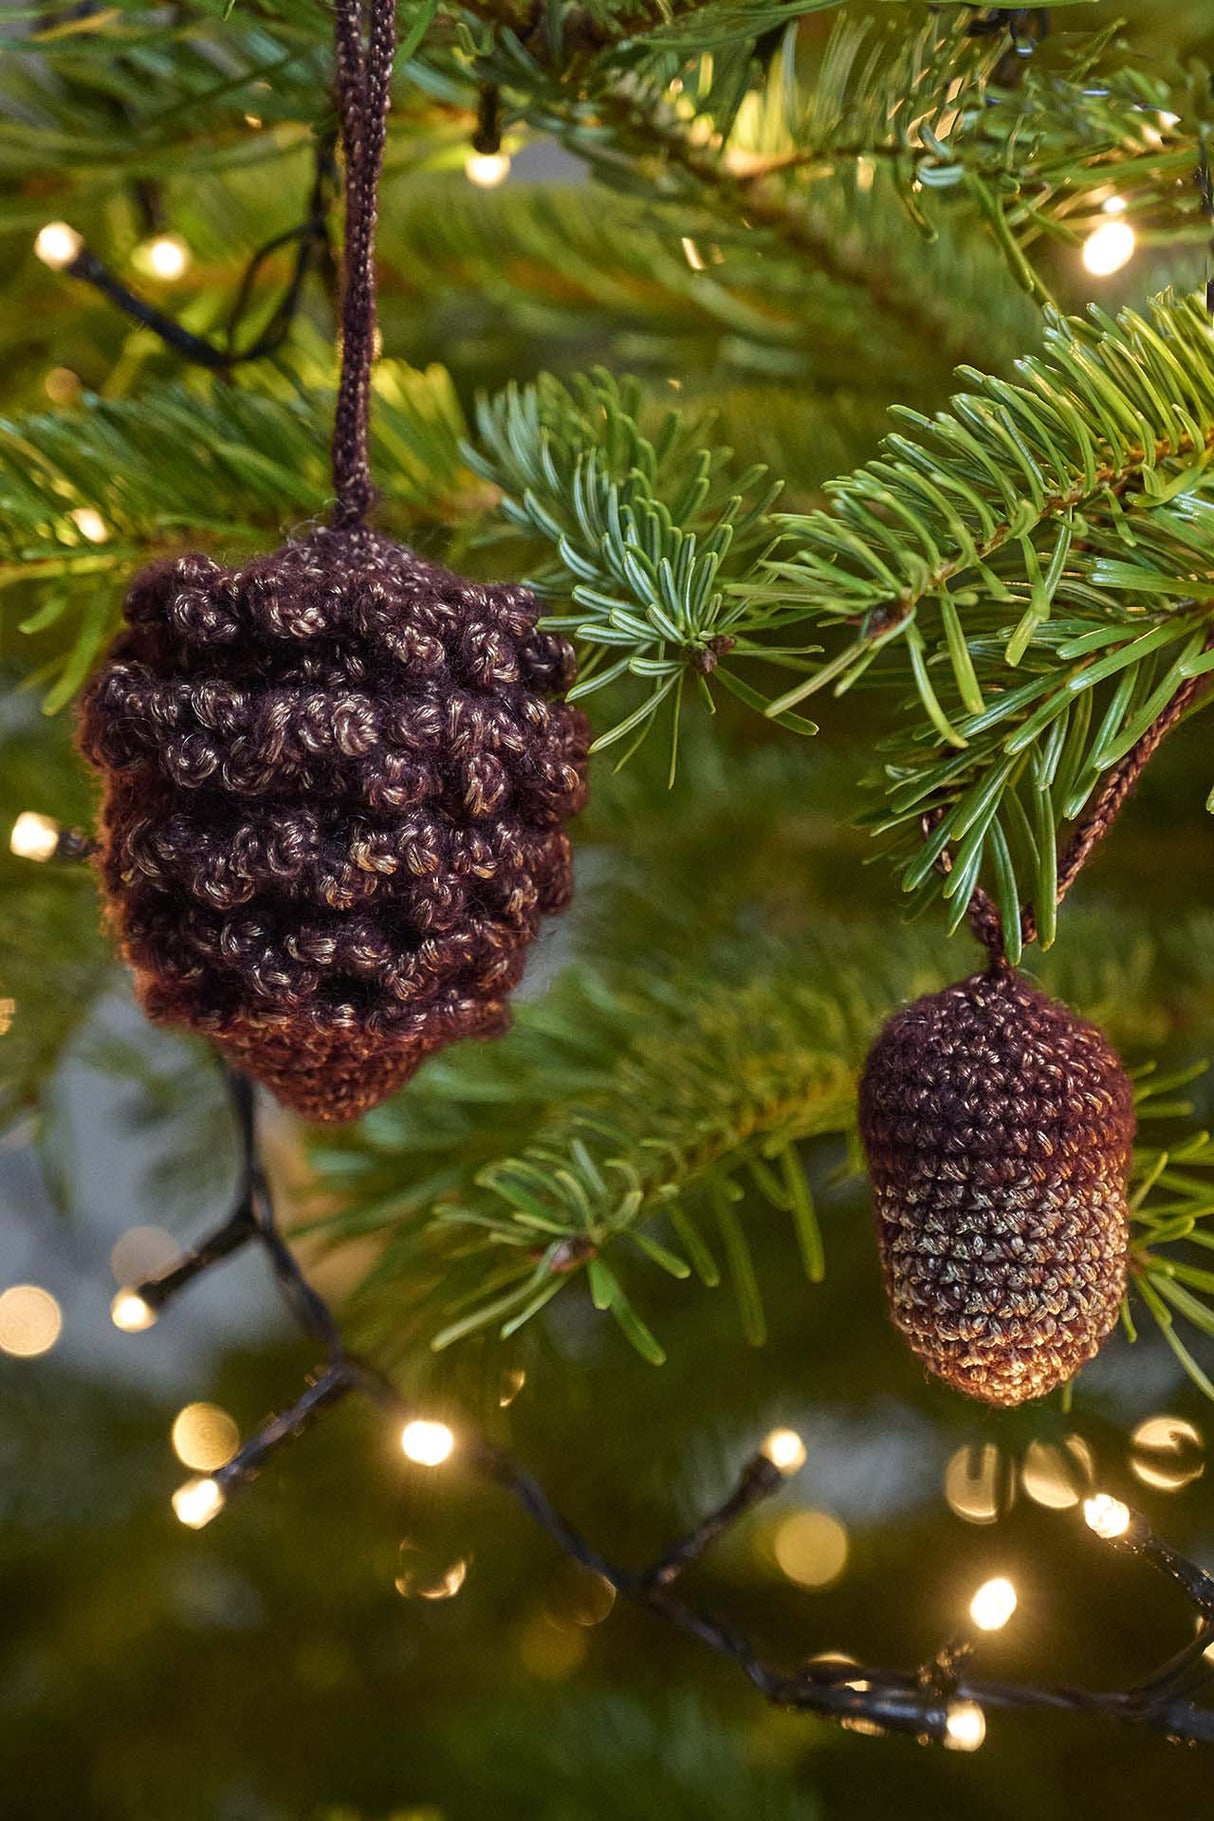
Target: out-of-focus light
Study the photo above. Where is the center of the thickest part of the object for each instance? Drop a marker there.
(61, 385)
(509, 1385)
(549, 1652)
(487, 169)
(993, 1604)
(141, 1252)
(811, 1548)
(1109, 247)
(30, 1321)
(971, 1483)
(254, 120)
(1107, 1516)
(90, 524)
(578, 1596)
(204, 1436)
(692, 254)
(167, 257)
(785, 1450)
(57, 245)
(198, 1501)
(420, 1577)
(1167, 1453)
(1057, 1474)
(131, 1313)
(8, 1011)
(428, 1444)
(1114, 205)
(35, 837)
(964, 1726)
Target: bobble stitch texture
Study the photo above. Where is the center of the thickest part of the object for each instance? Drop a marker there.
(334, 806)
(999, 1128)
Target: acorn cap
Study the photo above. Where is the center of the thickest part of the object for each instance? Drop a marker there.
(999, 1128)
(336, 788)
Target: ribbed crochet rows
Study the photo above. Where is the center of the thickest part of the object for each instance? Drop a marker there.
(999, 1128)
(335, 797)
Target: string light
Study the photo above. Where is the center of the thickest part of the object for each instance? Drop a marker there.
(785, 1450)
(1109, 247)
(90, 524)
(131, 1313)
(964, 1726)
(993, 1604)
(1167, 1453)
(30, 1321)
(57, 245)
(61, 385)
(487, 169)
(1107, 1516)
(35, 837)
(167, 257)
(198, 1501)
(427, 1444)
(204, 1436)
(811, 1548)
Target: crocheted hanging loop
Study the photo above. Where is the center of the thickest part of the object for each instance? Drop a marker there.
(335, 778)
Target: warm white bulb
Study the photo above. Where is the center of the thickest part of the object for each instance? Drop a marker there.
(198, 1501)
(487, 169)
(57, 245)
(993, 1604)
(131, 1313)
(1107, 1516)
(1109, 247)
(964, 1726)
(785, 1450)
(90, 524)
(167, 257)
(34, 837)
(428, 1444)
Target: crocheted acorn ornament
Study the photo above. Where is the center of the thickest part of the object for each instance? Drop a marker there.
(999, 1127)
(334, 807)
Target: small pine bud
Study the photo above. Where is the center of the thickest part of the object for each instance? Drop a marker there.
(999, 1128)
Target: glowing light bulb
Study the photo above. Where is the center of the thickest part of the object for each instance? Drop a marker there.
(57, 245)
(90, 524)
(35, 837)
(785, 1450)
(964, 1726)
(197, 1502)
(1107, 1516)
(487, 169)
(1109, 247)
(131, 1313)
(167, 257)
(993, 1604)
(204, 1437)
(30, 1321)
(428, 1444)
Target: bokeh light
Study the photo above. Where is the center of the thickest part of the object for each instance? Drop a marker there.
(1058, 1474)
(1167, 1453)
(198, 1501)
(427, 1444)
(785, 1450)
(204, 1436)
(30, 1321)
(811, 1548)
(972, 1483)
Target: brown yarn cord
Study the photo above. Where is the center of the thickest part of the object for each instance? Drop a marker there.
(983, 914)
(364, 77)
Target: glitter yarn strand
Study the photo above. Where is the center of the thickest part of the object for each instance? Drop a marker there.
(364, 77)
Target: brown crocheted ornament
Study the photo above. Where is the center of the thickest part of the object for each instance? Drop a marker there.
(999, 1127)
(335, 797)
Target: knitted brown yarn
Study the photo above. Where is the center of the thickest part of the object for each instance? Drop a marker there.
(998, 1127)
(335, 797)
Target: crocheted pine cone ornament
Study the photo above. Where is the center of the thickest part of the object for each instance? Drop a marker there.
(998, 1127)
(335, 796)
